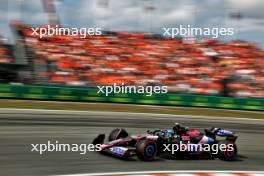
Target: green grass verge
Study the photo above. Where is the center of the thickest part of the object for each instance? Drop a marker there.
(29, 104)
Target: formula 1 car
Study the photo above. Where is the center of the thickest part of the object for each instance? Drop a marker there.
(213, 143)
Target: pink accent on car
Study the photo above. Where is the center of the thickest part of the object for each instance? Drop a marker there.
(194, 133)
(185, 137)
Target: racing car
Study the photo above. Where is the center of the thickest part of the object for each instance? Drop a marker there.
(156, 143)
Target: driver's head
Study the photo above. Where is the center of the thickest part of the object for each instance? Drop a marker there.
(176, 127)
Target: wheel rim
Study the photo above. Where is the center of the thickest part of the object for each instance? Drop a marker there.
(150, 150)
(230, 154)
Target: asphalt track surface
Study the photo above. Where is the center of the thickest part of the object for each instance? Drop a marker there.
(20, 128)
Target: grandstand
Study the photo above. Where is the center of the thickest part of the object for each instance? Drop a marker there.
(202, 66)
(196, 66)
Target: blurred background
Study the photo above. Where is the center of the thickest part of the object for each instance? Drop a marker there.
(215, 74)
(132, 49)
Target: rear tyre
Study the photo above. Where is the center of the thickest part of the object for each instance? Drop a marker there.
(230, 153)
(117, 134)
(146, 150)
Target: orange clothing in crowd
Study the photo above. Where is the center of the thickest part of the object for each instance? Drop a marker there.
(198, 67)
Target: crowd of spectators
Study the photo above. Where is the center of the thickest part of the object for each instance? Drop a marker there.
(200, 66)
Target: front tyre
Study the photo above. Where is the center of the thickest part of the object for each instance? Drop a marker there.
(117, 133)
(146, 150)
(230, 153)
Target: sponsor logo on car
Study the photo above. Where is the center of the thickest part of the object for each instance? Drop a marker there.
(118, 150)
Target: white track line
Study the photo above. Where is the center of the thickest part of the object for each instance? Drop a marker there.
(181, 173)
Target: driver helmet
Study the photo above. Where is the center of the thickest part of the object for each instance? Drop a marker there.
(176, 126)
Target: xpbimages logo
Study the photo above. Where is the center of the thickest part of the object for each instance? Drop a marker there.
(190, 147)
(62, 147)
(128, 89)
(57, 30)
(189, 31)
